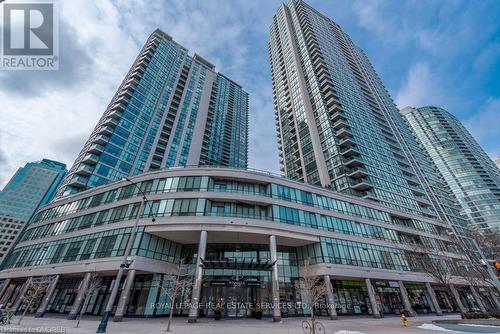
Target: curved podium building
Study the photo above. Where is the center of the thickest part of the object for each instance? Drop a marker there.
(246, 235)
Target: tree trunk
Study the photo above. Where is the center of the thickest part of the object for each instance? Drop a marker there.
(84, 307)
(24, 313)
(171, 310)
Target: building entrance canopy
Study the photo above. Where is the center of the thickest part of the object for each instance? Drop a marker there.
(253, 264)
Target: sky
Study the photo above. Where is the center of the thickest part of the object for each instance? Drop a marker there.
(427, 52)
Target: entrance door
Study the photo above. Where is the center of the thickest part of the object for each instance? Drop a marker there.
(238, 298)
(235, 300)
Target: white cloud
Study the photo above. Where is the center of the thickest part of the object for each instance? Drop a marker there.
(482, 126)
(420, 87)
(50, 114)
(54, 117)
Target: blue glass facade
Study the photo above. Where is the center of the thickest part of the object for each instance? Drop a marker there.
(337, 124)
(172, 109)
(466, 169)
(33, 186)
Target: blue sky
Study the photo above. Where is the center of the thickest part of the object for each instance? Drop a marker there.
(444, 53)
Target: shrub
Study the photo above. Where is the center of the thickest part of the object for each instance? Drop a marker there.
(481, 315)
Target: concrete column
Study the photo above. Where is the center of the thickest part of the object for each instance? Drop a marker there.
(22, 293)
(8, 294)
(198, 277)
(406, 300)
(373, 299)
(46, 299)
(433, 297)
(124, 297)
(5, 286)
(455, 294)
(332, 310)
(478, 299)
(80, 297)
(492, 292)
(274, 279)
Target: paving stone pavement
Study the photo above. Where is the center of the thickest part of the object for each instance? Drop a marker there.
(346, 325)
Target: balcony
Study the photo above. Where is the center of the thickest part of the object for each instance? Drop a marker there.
(78, 181)
(96, 148)
(370, 194)
(122, 100)
(357, 172)
(84, 170)
(417, 190)
(361, 185)
(349, 152)
(422, 201)
(411, 179)
(115, 113)
(106, 130)
(90, 159)
(126, 92)
(353, 162)
(112, 122)
(343, 133)
(119, 105)
(348, 141)
(101, 139)
(405, 166)
(133, 80)
(339, 114)
(331, 100)
(428, 211)
(341, 123)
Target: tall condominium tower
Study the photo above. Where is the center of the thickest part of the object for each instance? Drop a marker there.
(31, 187)
(172, 109)
(337, 125)
(497, 161)
(466, 168)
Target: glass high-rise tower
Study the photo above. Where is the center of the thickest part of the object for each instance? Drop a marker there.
(337, 125)
(172, 109)
(30, 188)
(467, 170)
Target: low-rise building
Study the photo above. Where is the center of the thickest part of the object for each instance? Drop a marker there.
(247, 236)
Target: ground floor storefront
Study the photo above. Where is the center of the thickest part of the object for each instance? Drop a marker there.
(242, 280)
(245, 294)
(292, 325)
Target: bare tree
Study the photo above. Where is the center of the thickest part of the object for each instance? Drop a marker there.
(488, 242)
(174, 284)
(483, 247)
(474, 269)
(435, 262)
(93, 287)
(312, 285)
(34, 293)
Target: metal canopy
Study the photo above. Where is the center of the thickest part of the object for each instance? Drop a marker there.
(235, 264)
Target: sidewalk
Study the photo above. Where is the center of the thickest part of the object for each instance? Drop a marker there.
(59, 324)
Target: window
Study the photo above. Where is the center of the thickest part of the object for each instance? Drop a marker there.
(87, 251)
(72, 252)
(106, 246)
(184, 207)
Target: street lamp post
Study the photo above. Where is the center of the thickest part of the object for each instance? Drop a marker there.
(125, 264)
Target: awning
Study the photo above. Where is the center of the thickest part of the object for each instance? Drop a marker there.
(235, 264)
